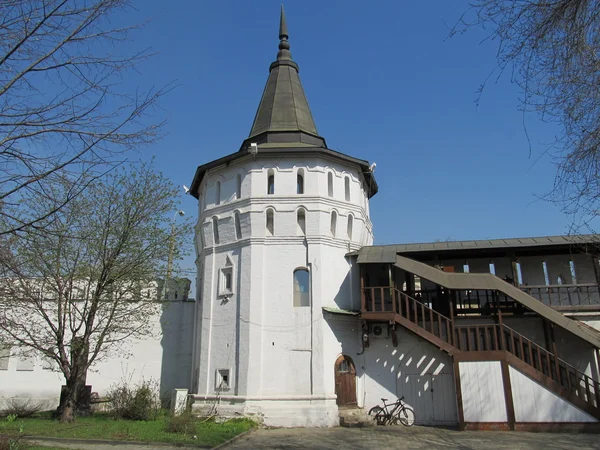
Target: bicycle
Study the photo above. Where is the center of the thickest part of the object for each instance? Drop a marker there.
(399, 413)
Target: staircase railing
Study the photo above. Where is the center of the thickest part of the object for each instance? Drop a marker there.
(500, 337)
(390, 300)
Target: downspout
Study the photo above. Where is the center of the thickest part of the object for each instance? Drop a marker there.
(312, 306)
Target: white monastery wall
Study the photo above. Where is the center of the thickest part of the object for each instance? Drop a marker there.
(152, 358)
(482, 391)
(534, 403)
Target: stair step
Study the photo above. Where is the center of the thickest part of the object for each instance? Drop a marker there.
(355, 418)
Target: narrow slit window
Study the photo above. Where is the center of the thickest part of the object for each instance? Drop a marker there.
(271, 182)
(347, 188)
(466, 267)
(238, 187)
(519, 273)
(218, 193)
(333, 224)
(301, 219)
(215, 224)
(330, 184)
(301, 288)
(270, 222)
(492, 268)
(300, 182)
(238, 225)
(350, 225)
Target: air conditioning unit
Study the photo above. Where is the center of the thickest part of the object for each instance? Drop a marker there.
(380, 330)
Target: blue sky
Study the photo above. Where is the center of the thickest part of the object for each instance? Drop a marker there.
(384, 83)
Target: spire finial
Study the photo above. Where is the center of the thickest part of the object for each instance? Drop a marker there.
(284, 45)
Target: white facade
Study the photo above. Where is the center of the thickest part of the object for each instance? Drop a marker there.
(271, 352)
(164, 358)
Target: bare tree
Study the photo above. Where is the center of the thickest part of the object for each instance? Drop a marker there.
(552, 50)
(76, 291)
(64, 109)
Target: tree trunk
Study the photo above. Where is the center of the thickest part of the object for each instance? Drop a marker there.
(67, 407)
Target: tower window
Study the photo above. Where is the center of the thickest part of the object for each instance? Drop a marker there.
(218, 193)
(301, 219)
(215, 224)
(300, 182)
(347, 188)
(330, 184)
(350, 225)
(271, 182)
(301, 287)
(238, 225)
(238, 187)
(270, 222)
(333, 225)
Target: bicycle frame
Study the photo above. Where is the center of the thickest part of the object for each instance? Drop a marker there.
(397, 405)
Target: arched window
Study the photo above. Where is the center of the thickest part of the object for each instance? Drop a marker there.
(218, 193)
(301, 287)
(333, 223)
(270, 222)
(238, 225)
(238, 187)
(270, 182)
(215, 224)
(300, 182)
(330, 184)
(347, 188)
(301, 219)
(350, 225)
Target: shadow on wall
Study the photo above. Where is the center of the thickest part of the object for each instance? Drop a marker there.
(176, 323)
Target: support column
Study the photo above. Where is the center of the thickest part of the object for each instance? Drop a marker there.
(459, 402)
(508, 397)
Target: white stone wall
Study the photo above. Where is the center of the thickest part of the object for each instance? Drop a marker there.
(164, 358)
(482, 391)
(415, 369)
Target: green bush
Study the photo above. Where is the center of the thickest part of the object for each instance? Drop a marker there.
(183, 424)
(141, 402)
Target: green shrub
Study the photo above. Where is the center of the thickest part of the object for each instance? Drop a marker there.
(183, 424)
(141, 402)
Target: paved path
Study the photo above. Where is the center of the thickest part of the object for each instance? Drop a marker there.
(410, 438)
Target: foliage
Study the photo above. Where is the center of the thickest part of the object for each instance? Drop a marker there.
(66, 113)
(552, 50)
(85, 286)
(101, 426)
(16, 407)
(141, 402)
(184, 423)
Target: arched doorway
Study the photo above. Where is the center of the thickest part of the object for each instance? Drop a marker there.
(345, 381)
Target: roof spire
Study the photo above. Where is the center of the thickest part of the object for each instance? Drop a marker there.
(284, 45)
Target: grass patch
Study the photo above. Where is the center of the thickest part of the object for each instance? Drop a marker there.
(99, 426)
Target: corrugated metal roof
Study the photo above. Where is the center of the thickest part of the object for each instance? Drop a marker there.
(386, 253)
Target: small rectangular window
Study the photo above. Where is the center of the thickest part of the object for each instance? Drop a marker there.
(25, 364)
(226, 282)
(223, 379)
(4, 356)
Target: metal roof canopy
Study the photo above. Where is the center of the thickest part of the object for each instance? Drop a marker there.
(481, 248)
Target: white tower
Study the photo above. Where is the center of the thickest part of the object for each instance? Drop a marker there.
(275, 221)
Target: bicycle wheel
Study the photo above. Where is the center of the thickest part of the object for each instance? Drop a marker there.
(406, 416)
(377, 413)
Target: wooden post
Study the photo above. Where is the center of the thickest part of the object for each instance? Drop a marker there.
(363, 299)
(596, 269)
(459, 402)
(508, 397)
(515, 271)
(501, 330)
(392, 287)
(555, 351)
(453, 340)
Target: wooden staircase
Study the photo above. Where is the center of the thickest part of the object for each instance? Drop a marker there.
(484, 343)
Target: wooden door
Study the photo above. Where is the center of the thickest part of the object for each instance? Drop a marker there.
(345, 381)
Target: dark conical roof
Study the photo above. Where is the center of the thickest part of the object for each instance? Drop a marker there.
(283, 115)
